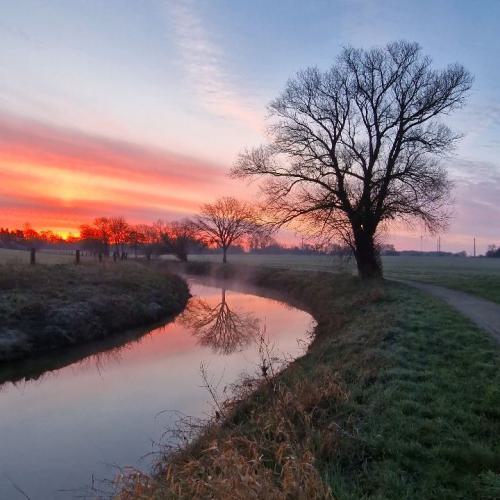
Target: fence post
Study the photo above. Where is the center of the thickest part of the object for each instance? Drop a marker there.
(100, 256)
(77, 257)
(32, 256)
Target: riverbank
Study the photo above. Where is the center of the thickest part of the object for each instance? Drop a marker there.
(397, 397)
(44, 308)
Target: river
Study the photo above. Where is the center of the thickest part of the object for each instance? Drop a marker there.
(66, 426)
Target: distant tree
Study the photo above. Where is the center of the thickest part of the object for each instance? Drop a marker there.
(341, 250)
(388, 249)
(119, 231)
(358, 146)
(150, 239)
(49, 238)
(103, 233)
(493, 251)
(31, 237)
(180, 238)
(135, 238)
(96, 237)
(261, 239)
(226, 222)
(90, 240)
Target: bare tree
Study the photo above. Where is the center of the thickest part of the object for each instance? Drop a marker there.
(96, 236)
(226, 222)
(359, 145)
(180, 238)
(119, 233)
(150, 239)
(136, 238)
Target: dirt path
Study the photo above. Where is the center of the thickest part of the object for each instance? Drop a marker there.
(482, 312)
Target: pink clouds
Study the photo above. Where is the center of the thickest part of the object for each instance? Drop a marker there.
(48, 175)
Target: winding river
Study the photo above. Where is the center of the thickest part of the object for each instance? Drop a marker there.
(68, 422)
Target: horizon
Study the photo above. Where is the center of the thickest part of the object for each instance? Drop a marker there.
(140, 110)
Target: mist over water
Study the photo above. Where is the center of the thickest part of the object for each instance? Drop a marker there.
(81, 421)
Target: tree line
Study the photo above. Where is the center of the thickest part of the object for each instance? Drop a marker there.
(224, 224)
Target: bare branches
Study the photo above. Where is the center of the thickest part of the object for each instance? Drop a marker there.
(358, 145)
(226, 222)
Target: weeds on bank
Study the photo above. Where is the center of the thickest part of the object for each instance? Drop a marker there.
(259, 444)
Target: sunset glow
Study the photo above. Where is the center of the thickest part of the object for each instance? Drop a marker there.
(140, 109)
(59, 179)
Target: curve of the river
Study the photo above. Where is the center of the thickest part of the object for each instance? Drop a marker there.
(78, 421)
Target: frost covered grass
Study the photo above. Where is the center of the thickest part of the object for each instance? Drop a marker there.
(46, 307)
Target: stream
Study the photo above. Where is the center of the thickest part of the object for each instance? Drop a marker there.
(68, 422)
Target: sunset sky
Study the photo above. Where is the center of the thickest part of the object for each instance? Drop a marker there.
(139, 108)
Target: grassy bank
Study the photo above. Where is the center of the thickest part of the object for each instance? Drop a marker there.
(397, 397)
(47, 307)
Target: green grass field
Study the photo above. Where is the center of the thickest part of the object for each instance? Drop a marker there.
(479, 276)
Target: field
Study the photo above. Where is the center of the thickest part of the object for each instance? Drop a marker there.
(478, 276)
(42, 256)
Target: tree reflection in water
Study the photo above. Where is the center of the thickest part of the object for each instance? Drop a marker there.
(220, 327)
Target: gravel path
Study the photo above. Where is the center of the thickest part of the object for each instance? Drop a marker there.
(483, 313)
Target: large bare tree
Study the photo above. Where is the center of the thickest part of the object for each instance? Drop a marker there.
(359, 145)
(225, 222)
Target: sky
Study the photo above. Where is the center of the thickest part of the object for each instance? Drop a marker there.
(139, 108)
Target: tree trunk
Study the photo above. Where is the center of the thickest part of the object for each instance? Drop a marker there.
(182, 256)
(224, 255)
(367, 256)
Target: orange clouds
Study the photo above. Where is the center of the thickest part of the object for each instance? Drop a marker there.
(58, 179)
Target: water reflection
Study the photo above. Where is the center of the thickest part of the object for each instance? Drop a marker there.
(223, 329)
(97, 353)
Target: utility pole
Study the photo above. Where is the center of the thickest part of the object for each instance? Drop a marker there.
(474, 246)
(421, 244)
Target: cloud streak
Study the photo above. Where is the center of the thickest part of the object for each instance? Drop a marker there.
(202, 61)
(48, 174)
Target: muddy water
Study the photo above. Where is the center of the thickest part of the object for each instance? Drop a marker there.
(64, 430)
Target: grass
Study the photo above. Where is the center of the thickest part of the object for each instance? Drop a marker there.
(44, 307)
(478, 276)
(429, 423)
(20, 257)
(398, 397)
